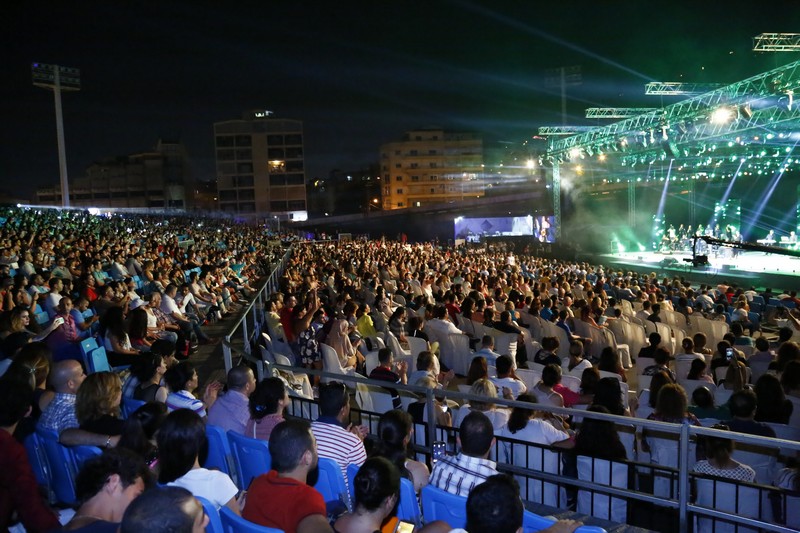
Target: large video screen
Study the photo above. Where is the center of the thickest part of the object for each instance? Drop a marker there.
(473, 229)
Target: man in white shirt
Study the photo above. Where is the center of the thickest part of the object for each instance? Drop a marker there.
(487, 351)
(440, 327)
(53, 297)
(507, 385)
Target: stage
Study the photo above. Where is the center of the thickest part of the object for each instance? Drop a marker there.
(746, 268)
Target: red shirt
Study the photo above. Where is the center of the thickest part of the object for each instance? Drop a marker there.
(281, 502)
(19, 491)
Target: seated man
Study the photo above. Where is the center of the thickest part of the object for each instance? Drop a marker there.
(336, 438)
(507, 383)
(458, 475)
(106, 485)
(165, 510)
(385, 371)
(661, 359)
(487, 350)
(495, 506)
(19, 492)
(282, 498)
(59, 415)
(231, 410)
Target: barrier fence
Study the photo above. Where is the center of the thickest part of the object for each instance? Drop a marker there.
(552, 476)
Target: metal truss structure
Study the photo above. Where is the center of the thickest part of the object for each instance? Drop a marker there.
(563, 130)
(762, 102)
(776, 42)
(617, 112)
(761, 125)
(671, 88)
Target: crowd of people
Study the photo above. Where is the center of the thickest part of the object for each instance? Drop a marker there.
(152, 282)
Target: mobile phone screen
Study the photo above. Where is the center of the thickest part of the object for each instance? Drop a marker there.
(438, 451)
(404, 527)
(729, 353)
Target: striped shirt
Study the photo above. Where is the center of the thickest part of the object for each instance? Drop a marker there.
(335, 442)
(185, 400)
(458, 475)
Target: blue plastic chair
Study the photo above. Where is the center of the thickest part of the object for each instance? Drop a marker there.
(251, 457)
(80, 454)
(87, 345)
(438, 504)
(331, 482)
(233, 523)
(533, 522)
(407, 509)
(98, 361)
(214, 521)
(129, 406)
(219, 452)
(60, 461)
(37, 459)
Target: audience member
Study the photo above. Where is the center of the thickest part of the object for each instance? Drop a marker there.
(231, 410)
(266, 406)
(165, 510)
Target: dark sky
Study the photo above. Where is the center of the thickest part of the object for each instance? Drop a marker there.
(356, 73)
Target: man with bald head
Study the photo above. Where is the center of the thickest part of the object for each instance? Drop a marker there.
(231, 411)
(59, 415)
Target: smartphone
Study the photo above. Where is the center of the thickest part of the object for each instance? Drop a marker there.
(729, 353)
(404, 527)
(439, 449)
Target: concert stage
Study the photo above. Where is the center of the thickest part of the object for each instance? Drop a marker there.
(747, 268)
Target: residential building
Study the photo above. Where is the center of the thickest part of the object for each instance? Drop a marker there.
(260, 166)
(155, 179)
(431, 166)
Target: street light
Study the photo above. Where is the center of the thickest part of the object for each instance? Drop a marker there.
(58, 78)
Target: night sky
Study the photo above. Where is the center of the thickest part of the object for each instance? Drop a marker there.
(356, 73)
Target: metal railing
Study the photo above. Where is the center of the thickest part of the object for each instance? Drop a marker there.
(248, 328)
(250, 323)
(681, 478)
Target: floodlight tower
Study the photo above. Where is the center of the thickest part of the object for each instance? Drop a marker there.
(58, 79)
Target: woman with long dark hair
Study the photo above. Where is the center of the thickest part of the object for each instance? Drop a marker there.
(117, 343)
(395, 430)
(376, 489)
(267, 403)
(599, 438)
(139, 430)
(182, 445)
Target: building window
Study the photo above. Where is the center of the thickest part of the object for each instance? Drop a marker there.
(414, 165)
(432, 165)
(294, 166)
(277, 179)
(244, 168)
(244, 140)
(247, 207)
(414, 178)
(224, 140)
(244, 154)
(397, 152)
(398, 178)
(398, 165)
(431, 152)
(297, 205)
(276, 165)
(413, 152)
(225, 155)
(276, 153)
(227, 196)
(399, 204)
(247, 194)
(243, 181)
(294, 179)
(277, 206)
(434, 177)
(433, 191)
(399, 191)
(272, 140)
(294, 138)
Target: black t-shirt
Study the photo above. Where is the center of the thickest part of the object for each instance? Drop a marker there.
(105, 425)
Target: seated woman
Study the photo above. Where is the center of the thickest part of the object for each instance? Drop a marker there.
(418, 410)
(699, 371)
(478, 369)
(117, 343)
(599, 438)
(397, 325)
(703, 406)
(610, 362)
(97, 404)
(773, 405)
(339, 340)
(485, 389)
(138, 433)
(550, 390)
(376, 490)
(182, 382)
(180, 440)
(528, 425)
(267, 404)
(149, 370)
(395, 430)
(719, 462)
(608, 394)
(671, 406)
(589, 379)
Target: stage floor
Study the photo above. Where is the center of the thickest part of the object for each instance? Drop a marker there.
(748, 268)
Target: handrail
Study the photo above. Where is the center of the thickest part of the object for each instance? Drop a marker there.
(258, 303)
(685, 432)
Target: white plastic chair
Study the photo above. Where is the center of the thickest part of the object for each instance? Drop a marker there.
(730, 498)
(598, 504)
(331, 364)
(456, 353)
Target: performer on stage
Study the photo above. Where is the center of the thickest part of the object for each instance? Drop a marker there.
(770, 237)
